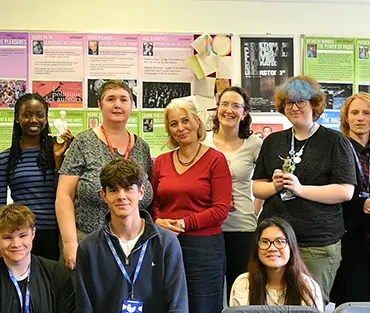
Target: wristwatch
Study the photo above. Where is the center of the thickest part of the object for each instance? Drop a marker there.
(182, 224)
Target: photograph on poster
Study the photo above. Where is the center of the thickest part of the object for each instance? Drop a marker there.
(148, 49)
(93, 89)
(209, 116)
(156, 95)
(93, 47)
(266, 63)
(311, 51)
(60, 93)
(336, 94)
(363, 52)
(263, 130)
(37, 47)
(10, 91)
(148, 125)
(93, 122)
(364, 88)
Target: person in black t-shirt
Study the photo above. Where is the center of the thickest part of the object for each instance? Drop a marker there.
(304, 174)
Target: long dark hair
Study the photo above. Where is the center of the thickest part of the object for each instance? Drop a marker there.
(296, 287)
(245, 124)
(45, 159)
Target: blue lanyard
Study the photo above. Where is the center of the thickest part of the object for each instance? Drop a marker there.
(122, 268)
(359, 166)
(26, 307)
(292, 152)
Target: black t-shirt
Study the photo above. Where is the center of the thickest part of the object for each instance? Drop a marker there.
(327, 159)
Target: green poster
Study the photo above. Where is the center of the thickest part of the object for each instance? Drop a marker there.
(133, 123)
(93, 118)
(153, 131)
(6, 128)
(329, 59)
(363, 64)
(75, 119)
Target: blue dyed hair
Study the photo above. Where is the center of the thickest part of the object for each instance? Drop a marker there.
(301, 88)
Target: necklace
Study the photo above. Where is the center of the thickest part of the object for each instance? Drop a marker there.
(192, 160)
(112, 149)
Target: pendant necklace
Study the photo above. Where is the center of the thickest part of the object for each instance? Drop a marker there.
(296, 156)
(192, 160)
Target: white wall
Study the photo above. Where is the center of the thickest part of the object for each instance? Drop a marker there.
(281, 17)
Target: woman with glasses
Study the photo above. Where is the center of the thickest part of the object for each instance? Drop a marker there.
(304, 173)
(233, 137)
(277, 274)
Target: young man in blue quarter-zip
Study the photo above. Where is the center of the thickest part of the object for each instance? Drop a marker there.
(131, 264)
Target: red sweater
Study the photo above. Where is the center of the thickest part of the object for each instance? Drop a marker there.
(201, 195)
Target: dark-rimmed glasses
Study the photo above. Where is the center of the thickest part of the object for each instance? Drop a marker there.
(279, 243)
(300, 104)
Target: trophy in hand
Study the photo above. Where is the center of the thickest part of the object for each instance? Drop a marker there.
(60, 124)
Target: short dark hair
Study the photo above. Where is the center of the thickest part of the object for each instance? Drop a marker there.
(14, 217)
(121, 172)
(114, 84)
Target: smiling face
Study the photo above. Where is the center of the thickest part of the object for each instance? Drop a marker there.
(15, 247)
(123, 202)
(274, 258)
(93, 45)
(358, 118)
(32, 118)
(116, 106)
(231, 109)
(182, 128)
(300, 116)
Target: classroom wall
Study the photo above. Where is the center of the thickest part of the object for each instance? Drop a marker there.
(324, 18)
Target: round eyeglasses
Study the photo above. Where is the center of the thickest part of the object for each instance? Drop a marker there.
(233, 106)
(300, 104)
(279, 243)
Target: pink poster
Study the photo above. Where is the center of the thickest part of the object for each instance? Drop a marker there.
(165, 74)
(56, 67)
(13, 67)
(263, 130)
(111, 56)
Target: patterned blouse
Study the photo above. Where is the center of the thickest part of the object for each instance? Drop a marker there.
(86, 158)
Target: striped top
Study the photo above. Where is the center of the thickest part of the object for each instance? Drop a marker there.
(29, 187)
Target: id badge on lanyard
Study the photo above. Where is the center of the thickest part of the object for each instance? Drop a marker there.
(25, 305)
(130, 305)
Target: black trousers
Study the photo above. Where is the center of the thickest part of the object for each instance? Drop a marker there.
(238, 246)
(46, 244)
(352, 281)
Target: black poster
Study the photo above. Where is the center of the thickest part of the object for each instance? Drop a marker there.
(266, 63)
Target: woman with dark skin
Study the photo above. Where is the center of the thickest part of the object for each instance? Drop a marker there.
(29, 168)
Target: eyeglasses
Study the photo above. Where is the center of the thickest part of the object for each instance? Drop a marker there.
(279, 243)
(300, 104)
(233, 106)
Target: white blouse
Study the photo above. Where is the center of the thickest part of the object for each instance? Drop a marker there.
(240, 293)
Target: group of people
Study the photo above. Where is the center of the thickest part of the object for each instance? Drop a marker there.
(161, 238)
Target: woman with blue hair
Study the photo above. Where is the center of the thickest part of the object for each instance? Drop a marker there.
(304, 174)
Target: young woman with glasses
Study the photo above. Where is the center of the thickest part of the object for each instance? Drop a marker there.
(277, 274)
(232, 136)
(304, 173)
